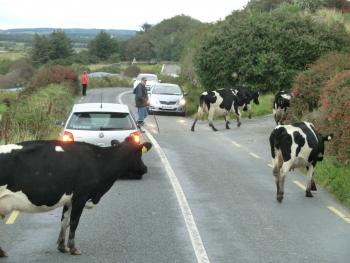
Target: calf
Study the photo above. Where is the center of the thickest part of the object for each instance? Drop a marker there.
(280, 106)
(220, 102)
(296, 145)
(39, 176)
(248, 96)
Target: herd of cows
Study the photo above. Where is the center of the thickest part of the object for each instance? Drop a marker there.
(292, 146)
(29, 184)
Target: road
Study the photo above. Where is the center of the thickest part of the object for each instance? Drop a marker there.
(228, 211)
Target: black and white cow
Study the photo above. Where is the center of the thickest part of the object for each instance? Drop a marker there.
(248, 96)
(219, 103)
(39, 176)
(280, 106)
(296, 145)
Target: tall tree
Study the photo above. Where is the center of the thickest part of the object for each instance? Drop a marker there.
(103, 46)
(61, 45)
(40, 53)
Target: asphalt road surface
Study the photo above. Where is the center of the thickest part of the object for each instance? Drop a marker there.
(208, 197)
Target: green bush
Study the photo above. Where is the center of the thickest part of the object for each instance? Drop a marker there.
(109, 81)
(55, 74)
(335, 113)
(265, 49)
(132, 71)
(308, 85)
(33, 116)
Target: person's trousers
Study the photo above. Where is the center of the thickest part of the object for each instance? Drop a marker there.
(84, 89)
(142, 112)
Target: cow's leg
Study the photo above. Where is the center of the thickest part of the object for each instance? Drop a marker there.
(310, 173)
(313, 185)
(238, 116)
(64, 225)
(249, 107)
(194, 124)
(2, 216)
(226, 120)
(77, 208)
(199, 114)
(211, 118)
(283, 173)
(2, 252)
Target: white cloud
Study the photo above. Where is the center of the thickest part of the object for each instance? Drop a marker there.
(125, 14)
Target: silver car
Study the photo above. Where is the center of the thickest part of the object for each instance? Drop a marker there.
(100, 123)
(166, 97)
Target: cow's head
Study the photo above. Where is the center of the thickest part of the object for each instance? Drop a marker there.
(136, 168)
(256, 95)
(321, 140)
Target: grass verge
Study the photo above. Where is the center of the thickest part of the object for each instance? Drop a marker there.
(335, 177)
(32, 117)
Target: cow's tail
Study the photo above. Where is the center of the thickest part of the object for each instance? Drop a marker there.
(275, 139)
(201, 109)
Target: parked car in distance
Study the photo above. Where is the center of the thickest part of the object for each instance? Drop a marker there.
(152, 79)
(166, 97)
(99, 124)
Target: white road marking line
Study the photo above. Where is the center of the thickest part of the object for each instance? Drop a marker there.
(236, 144)
(339, 213)
(192, 229)
(300, 185)
(12, 217)
(254, 155)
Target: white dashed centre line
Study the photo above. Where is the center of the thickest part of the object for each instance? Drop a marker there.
(300, 185)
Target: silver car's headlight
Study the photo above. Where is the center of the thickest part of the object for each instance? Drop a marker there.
(182, 102)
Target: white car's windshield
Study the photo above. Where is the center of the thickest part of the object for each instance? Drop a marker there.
(100, 121)
(148, 77)
(169, 90)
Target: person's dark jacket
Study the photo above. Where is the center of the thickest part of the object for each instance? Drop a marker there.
(141, 96)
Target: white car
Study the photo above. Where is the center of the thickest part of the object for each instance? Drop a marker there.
(100, 123)
(152, 79)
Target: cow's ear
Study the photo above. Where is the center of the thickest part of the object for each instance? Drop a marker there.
(328, 137)
(115, 143)
(145, 147)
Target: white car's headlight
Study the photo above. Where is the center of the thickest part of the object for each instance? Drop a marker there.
(182, 102)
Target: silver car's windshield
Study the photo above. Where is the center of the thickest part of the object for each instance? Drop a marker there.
(100, 121)
(168, 90)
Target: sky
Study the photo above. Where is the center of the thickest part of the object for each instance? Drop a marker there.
(108, 14)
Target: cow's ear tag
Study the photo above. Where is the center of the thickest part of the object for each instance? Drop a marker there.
(144, 149)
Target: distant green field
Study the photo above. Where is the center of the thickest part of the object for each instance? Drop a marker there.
(11, 55)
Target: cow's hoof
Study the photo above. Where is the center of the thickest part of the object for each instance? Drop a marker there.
(250, 116)
(3, 254)
(63, 249)
(227, 127)
(308, 194)
(75, 252)
(239, 124)
(313, 186)
(192, 129)
(279, 198)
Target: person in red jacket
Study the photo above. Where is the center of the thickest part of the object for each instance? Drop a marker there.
(84, 82)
